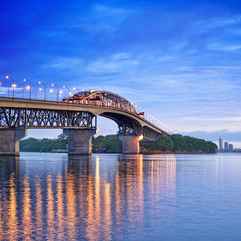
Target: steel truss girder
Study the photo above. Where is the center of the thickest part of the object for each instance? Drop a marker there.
(126, 125)
(40, 118)
(129, 128)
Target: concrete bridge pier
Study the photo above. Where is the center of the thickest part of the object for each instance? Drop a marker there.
(130, 144)
(9, 141)
(79, 141)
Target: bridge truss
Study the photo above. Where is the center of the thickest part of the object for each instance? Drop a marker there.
(40, 118)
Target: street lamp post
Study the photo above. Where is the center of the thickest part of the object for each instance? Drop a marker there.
(7, 78)
(57, 94)
(24, 81)
(29, 88)
(60, 92)
(40, 90)
(51, 91)
(45, 92)
(13, 87)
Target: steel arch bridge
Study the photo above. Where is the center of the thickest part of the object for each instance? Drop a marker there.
(78, 114)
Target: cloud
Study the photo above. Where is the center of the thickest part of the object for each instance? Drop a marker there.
(214, 119)
(116, 63)
(101, 10)
(104, 18)
(218, 22)
(65, 63)
(113, 63)
(227, 47)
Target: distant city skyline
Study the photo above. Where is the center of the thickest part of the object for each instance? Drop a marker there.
(178, 61)
(225, 146)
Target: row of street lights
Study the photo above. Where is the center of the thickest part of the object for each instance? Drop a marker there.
(41, 89)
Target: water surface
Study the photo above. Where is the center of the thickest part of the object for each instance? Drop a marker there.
(116, 197)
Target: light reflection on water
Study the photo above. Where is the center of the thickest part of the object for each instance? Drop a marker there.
(112, 197)
(48, 197)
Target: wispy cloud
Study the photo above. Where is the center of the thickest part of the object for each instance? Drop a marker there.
(214, 119)
(227, 47)
(212, 23)
(104, 18)
(116, 63)
(65, 63)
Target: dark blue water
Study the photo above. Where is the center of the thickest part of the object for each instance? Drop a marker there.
(112, 197)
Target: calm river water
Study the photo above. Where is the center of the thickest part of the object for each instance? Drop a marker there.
(115, 197)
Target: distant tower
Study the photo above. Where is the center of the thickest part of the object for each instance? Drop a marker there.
(230, 147)
(220, 144)
(225, 146)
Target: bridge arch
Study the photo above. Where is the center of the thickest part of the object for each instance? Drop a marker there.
(120, 110)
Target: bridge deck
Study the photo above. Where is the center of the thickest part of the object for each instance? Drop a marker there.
(63, 106)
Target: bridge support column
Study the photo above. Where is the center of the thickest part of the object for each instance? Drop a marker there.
(130, 144)
(79, 141)
(9, 141)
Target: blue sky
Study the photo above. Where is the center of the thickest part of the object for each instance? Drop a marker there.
(179, 61)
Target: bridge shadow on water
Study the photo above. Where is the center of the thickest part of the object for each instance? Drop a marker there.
(103, 197)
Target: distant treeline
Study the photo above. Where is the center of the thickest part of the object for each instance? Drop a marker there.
(112, 144)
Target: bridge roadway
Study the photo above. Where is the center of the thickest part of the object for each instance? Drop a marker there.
(78, 121)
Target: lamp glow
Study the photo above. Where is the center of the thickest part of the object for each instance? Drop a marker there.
(14, 86)
(28, 87)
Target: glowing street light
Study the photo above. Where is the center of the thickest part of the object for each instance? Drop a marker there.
(13, 86)
(29, 88)
(7, 78)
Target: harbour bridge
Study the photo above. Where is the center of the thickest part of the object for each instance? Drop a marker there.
(77, 116)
